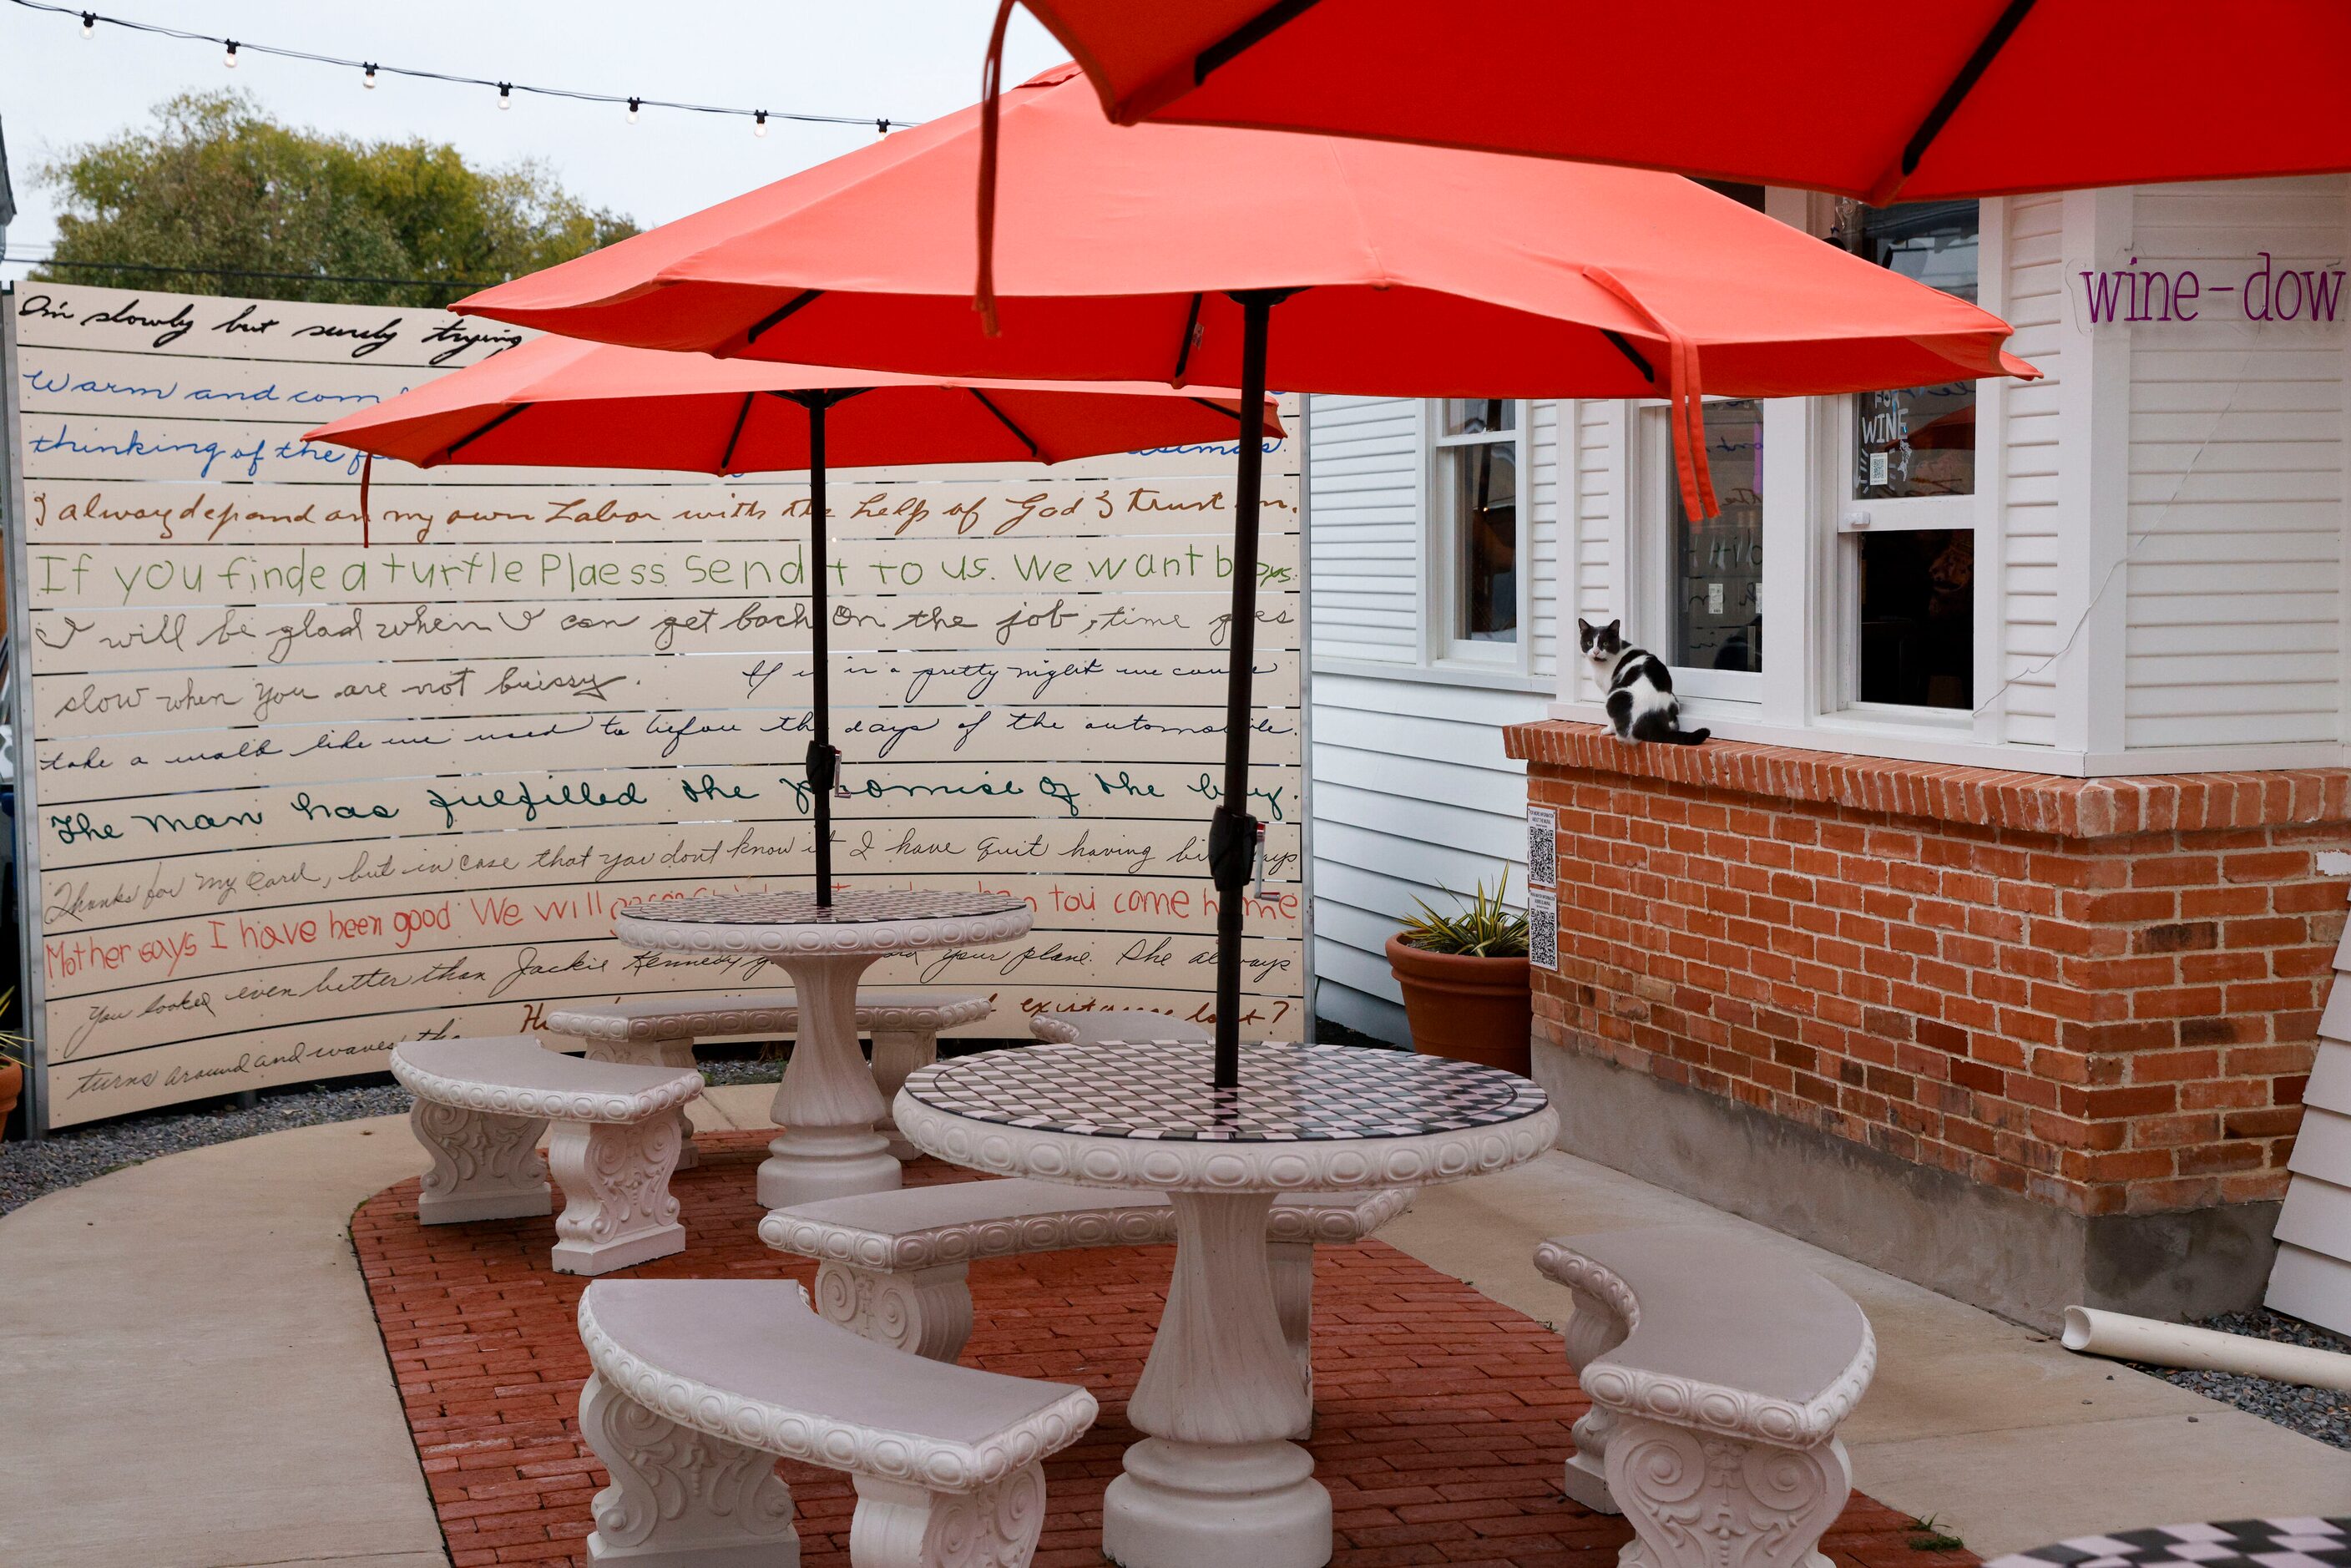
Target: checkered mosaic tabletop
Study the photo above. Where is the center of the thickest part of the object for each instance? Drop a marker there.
(1289, 1093)
(2234, 1544)
(851, 906)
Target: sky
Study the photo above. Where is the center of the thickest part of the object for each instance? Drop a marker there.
(905, 59)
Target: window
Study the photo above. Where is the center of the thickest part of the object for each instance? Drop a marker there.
(1908, 516)
(1478, 530)
(1705, 607)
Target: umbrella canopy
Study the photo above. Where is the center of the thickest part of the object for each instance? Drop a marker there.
(1405, 270)
(557, 401)
(1967, 98)
(560, 403)
(1164, 252)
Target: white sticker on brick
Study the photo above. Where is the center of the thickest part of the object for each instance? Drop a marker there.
(1542, 929)
(1542, 846)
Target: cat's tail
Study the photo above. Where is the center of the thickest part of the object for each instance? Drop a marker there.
(1690, 736)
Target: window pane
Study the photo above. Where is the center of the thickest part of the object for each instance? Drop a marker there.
(1482, 494)
(1478, 415)
(1917, 617)
(1718, 599)
(1920, 441)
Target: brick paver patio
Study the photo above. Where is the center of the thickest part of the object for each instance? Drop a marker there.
(1443, 1416)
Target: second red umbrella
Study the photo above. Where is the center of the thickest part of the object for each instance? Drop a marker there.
(558, 402)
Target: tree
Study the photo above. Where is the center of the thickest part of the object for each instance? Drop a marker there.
(219, 185)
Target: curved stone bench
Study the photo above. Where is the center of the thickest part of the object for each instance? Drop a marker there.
(1118, 1028)
(1716, 1362)
(697, 1382)
(480, 1107)
(904, 1024)
(892, 1265)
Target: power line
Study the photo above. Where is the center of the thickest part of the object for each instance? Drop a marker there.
(234, 47)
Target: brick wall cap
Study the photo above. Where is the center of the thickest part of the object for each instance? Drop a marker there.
(1949, 792)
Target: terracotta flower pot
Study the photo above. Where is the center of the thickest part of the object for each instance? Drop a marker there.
(1472, 1010)
(12, 1087)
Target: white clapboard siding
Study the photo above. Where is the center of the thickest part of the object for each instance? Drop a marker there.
(1412, 796)
(1543, 535)
(2031, 579)
(1595, 513)
(2311, 1276)
(1363, 540)
(2236, 478)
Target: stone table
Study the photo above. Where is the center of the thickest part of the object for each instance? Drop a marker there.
(2231, 1543)
(1217, 1480)
(827, 1103)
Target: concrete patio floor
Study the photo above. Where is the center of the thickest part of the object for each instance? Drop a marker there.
(195, 1379)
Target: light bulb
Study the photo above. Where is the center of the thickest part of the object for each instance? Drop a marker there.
(368, 80)
(759, 124)
(229, 60)
(506, 95)
(633, 109)
(90, 24)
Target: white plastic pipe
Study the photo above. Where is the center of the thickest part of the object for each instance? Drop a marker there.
(2126, 1338)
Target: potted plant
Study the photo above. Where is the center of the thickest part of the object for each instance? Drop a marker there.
(13, 1050)
(1468, 988)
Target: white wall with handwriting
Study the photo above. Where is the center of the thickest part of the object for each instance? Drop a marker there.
(294, 800)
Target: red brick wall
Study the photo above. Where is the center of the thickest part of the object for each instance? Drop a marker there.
(2101, 994)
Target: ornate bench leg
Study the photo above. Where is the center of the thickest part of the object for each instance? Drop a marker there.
(679, 1498)
(615, 1178)
(483, 1167)
(925, 1310)
(1292, 1265)
(901, 1526)
(896, 1054)
(655, 1053)
(1696, 1498)
(1593, 1331)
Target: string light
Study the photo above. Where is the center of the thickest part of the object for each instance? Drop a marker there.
(371, 71)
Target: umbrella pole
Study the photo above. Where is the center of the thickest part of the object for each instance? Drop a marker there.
(1232, 833)
(823, 761)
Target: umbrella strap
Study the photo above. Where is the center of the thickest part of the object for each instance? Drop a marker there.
(367, 474)
(1685, 401)
(991, 87)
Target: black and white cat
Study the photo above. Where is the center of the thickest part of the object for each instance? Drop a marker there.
(1640, 703)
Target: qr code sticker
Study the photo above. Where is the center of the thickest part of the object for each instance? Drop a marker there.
(1543, 930)
(1542, 847)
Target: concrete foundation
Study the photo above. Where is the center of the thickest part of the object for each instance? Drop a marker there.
(1935, 1228)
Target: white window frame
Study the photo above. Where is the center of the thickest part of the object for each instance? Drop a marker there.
(1654, 478)
(1441, 649)
(1845, 520)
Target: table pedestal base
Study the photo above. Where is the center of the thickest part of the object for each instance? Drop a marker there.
(809, 1164)
(1218, 1482)
(1182, 1505)
(827, 1103)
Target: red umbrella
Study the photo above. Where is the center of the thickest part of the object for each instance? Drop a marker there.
(555, 401)
(1965, 98)
(1163, 252)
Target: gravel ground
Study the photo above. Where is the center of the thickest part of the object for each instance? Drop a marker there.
(78, 1154)
(2321, 1413)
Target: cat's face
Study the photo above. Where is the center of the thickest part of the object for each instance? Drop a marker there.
(1601, 644)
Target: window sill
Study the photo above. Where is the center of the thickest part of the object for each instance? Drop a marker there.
(1497, 680)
